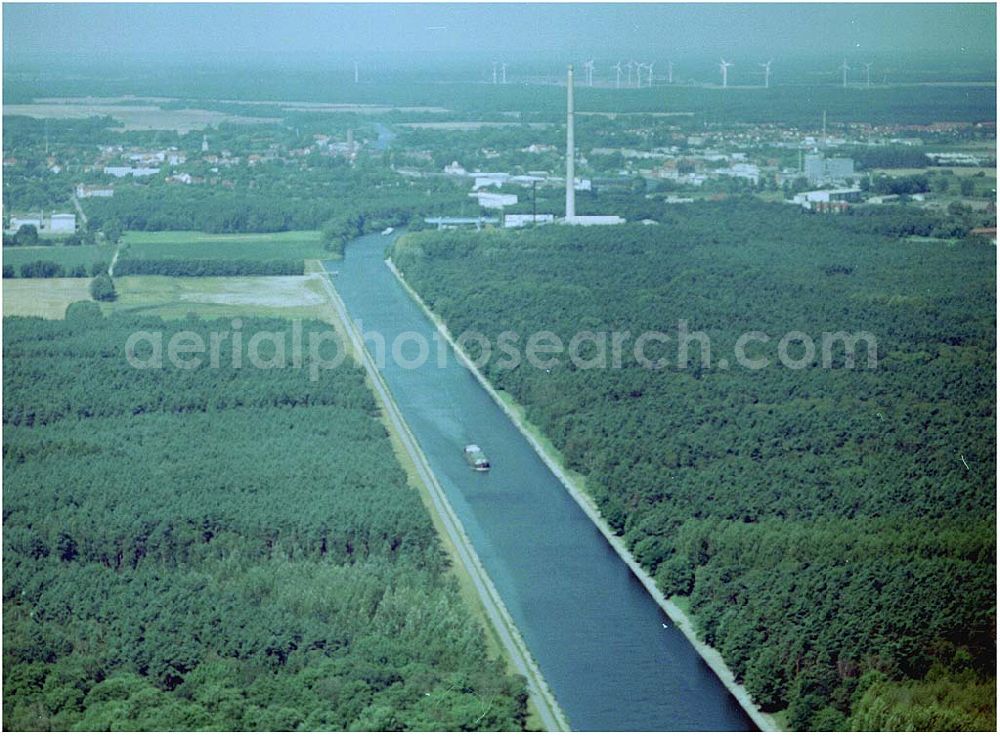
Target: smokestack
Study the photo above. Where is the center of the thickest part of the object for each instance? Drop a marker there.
(570, 174)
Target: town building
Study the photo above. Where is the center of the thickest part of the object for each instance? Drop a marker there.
(130, 171)
(955, 158)
(83, 191)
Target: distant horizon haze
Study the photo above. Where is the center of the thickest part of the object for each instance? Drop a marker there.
(425, 35)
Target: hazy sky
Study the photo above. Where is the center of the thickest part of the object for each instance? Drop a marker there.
(33, 32)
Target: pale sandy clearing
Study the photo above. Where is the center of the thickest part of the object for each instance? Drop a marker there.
(263, 291)
(134, 117)
(470, 125)
(334, 107)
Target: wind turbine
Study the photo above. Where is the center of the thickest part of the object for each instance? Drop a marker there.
(649, 69)
(355, 71)
(868, 74)
(503, 73)
(630, 66)
(724, 68)
(618, 75)
(767, 73)
(589, 66)
(494, 72)
(844, 69)
(670, 72)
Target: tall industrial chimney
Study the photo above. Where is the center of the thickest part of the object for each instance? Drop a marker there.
(570, 173)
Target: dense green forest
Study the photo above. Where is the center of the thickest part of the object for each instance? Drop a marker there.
(221, 549)
(793, 104)
(277, 200)
(833, 528)
(209, 267)
(46, 269)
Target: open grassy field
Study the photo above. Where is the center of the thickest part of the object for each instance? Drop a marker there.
(263, 296)
(47, 298)
(189, 244)
(133, 117)
(984, 179)
(958, 171)
(65, 256)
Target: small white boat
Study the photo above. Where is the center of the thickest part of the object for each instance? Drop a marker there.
(387, 231)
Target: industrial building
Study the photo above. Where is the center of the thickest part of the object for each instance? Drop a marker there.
(451, 223)
(490, 179)
(519, 220)
(750, 172)
(494, 200)
(827, 200)
(820, 170)
(594, 220)
(56, 224)
(62, 223)
(499, 200)
(19, 221)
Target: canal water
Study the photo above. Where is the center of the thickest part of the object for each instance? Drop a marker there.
(595, 632)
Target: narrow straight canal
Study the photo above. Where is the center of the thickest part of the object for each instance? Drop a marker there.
(595, 632)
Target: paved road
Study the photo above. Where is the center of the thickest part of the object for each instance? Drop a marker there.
(114, 259)
(80, 212)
